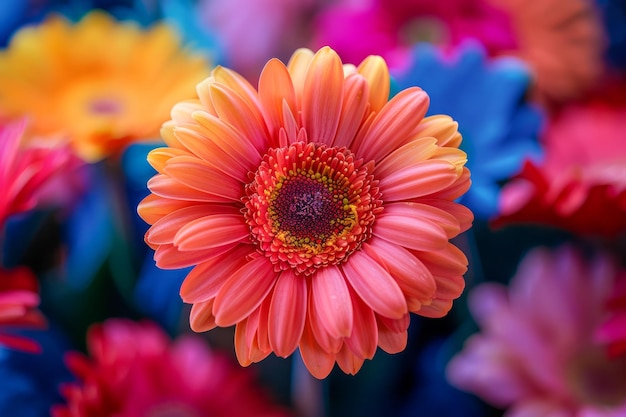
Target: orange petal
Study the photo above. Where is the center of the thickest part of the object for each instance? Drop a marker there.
(203, 177)
(164, 186)
(322, 96)
(374, 69)
(318, 361)
(276, 89)
(355, 104)
(201, 318)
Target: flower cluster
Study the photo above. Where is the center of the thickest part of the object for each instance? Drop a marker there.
(278, 208)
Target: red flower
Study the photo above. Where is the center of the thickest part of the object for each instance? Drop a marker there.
(581, 185)
(18, 306)
(133, 369)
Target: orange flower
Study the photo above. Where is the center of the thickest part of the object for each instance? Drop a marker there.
(563, 42)
(318, 213)
(98, 84)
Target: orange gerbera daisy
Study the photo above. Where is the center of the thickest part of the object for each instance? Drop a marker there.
(318, 213)
(563, 42)
(98, 83)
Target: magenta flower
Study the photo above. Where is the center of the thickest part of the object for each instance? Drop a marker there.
(535, 354)
(133, 369)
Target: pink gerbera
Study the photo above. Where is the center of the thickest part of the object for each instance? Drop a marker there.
(19, 300)
(318, 213)
(535, 354)
(581, 185)
(612, 331)
(133, 369)
(29, 175)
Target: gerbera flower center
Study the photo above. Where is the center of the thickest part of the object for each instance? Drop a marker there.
(595, 379)
(310, 206)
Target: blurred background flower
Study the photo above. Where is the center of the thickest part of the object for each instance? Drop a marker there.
(133, 369)
(535, 353)
(537, 89)
(581, 184)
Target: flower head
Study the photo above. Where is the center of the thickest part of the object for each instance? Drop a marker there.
(318, 213)
(500, 134)
(133, 369)
(30, 176)
(535, 354)
(97, 84)
(564, 49)
(19, 300)
(612, 331)
(581, 185)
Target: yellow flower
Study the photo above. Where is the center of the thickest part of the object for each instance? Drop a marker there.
(99, 84)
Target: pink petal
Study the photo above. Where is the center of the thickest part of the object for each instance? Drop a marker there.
(169, 257)
(167, 187)
(205, 279)
(417, 150)
(374, 285)
(315, 318)
(440, 217)
(240, 114)
(392, 334)
(164, 229)
(332, 301)
(243, 291)
(322, 96)
(212, 231)
(414, 279)
(287, 313)
(393, 126)
(204, 177)
(420, 179)
(153, 207)
(348, 361)
(364, 338)
(411, 232)
(355, 102)
(464, 216)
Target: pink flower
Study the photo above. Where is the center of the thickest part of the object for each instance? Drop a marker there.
(612, 331)
(254, 31)
(33, 176)
(390, 28)
(581, 185)
(133, 369)
(561, 40)
(535, 354)
(19, 299)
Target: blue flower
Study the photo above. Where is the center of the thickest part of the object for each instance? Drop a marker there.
(487, 98)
